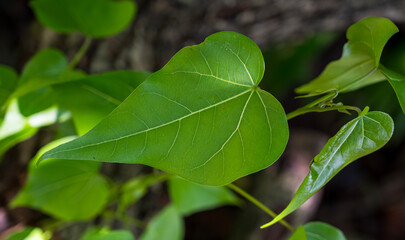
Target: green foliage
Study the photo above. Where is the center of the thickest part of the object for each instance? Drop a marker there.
(95, 19)
(67, 190)
(29, 233)
(317, 231)
(189, 197)
(8, 83)
(359, 137)
(397, 82)
(167, 225)
(45, 67)
(359, 65)
(206, 95)
(92, 98)
(106, 234)
(136, 188)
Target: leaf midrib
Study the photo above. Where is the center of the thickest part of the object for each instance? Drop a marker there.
(46, 156)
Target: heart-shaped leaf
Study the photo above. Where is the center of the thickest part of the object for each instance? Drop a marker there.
(201, 117)
(68, 190)
(317, 231)
(95, 18)
(92, 98)
(359, 137)
(189, 197)
(168, 225)
(358, 66)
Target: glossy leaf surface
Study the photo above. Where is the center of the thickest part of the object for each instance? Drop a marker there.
(317, 231)
(168, 225)
(46, 66)
(361, 136)
(358, 66)
(8, 83)
(189, 197)
(99, 18)
(68, 190)
(92, 98)
(201, 117)
(397, 82)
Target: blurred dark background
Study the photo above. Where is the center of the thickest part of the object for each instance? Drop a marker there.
(298, 38)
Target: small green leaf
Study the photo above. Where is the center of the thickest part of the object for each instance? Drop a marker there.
(100, 18)
(397, 82)
(190, 197)
(106, 234)
(136, 188)
(359, 137)
(322, 231)
(8, 83)
(29, 233)
(201, 117)
(92, 98)
(299, 234)
(68, 190)
(45, 67)
(358, 66)
(168, 225)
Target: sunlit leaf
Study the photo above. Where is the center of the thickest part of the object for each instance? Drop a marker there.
(359, 137)
(299, 234)
(168, 225)
(29, 233)
(201, 117)
(68, 190)
(190, 197)
(92, 98)
(358, 66)
(99, 18)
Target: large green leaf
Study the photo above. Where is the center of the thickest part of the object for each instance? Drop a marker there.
(92, 98)
(397, 82)
(45, 67)
(201, 117)
(95, 18)
(358, 66)
(106, 234)
(8, 83)
(168, 225)
(68, 190)
(317, 231)
(359, 137)
(189, 197)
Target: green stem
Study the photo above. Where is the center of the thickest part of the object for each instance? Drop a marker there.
(78, 56)
(304, 110)
(260, 205)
